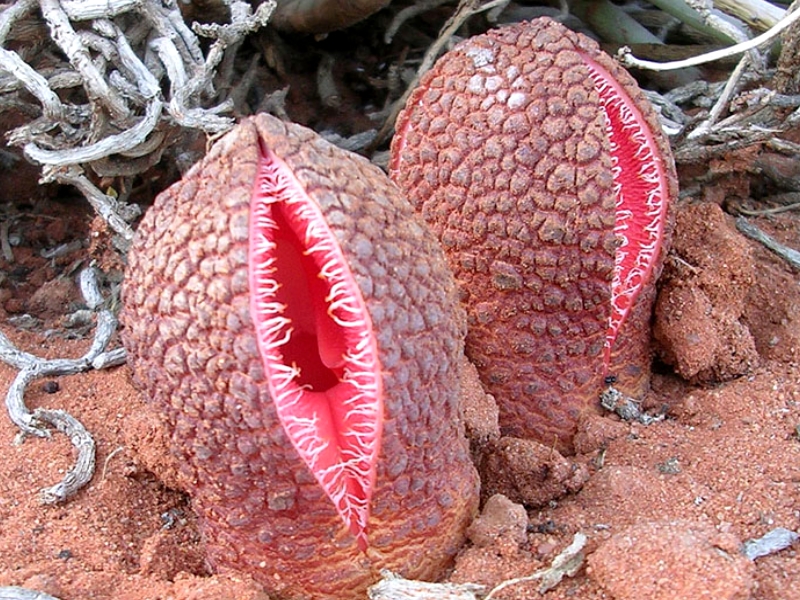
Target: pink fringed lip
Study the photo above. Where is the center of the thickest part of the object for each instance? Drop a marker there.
(642, 196)
(316, 341)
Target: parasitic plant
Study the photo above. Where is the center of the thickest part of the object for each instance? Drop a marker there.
(543, 170)
(299, 328)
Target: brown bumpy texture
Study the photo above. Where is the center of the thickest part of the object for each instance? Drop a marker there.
(504, 151)
(192, 347)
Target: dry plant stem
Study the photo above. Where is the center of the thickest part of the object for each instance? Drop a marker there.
(120, 142)
(85, 10)
(354, 143)
(168, 21)
(13, 13)
(712, 19)
(111, 358)
(394, 587)
(37, 85)
(758, 14)
(225, 73)
(244, 21)
(629, 60)
(90, 289)
(12, 63)
(274, 103)
(465, 9)
(32, 367)
(773, 211)
(13, 592)
(754, 233)
(146, 84)
(743, 123)
(689, 16)
(83, 470)
(752, 120)
(121, 75)
(672, 118)
(566, 563)
(408, 13)
(103, 204)
(69, 41)
(106, 462)
(493, 14)
(722, 102)
(694, 152)
(785, 146)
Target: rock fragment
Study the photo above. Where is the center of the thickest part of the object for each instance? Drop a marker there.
(670, 561)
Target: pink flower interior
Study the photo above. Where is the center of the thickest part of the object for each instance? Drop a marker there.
(316, 341)
(642, 197)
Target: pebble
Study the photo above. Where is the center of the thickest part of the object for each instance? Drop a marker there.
(500, 517)
(678, 560)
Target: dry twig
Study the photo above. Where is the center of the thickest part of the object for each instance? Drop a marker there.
(735, 119)
(629, 60)
(120, 54)
(394, 587)
(32, 367)
(754, 233)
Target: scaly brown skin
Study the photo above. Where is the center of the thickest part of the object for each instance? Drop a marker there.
(504, 150)
(191, 343)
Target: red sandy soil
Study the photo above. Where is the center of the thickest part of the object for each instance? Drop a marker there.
(665, 507)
